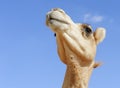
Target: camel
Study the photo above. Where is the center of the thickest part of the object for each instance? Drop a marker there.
(76, 46)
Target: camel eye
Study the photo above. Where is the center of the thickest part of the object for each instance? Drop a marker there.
(88, 30)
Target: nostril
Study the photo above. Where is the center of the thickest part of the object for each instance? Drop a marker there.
(54, 9)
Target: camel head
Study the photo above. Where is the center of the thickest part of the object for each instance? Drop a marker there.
(79, 38)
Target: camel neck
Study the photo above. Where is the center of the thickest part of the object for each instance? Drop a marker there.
(77, 77)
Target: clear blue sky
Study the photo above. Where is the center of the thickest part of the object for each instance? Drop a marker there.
(28, 57)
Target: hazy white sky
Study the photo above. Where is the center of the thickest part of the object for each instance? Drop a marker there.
(28, 55)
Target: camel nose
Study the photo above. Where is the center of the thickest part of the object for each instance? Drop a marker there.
(54, 9)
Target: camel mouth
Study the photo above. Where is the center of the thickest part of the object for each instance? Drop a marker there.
(51, 19)
(58, 20)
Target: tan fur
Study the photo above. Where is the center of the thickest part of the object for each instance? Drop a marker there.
(76, 45)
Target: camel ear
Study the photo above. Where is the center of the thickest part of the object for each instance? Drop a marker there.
(99, 35)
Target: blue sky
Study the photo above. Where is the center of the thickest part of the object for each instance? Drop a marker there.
(28, 57)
